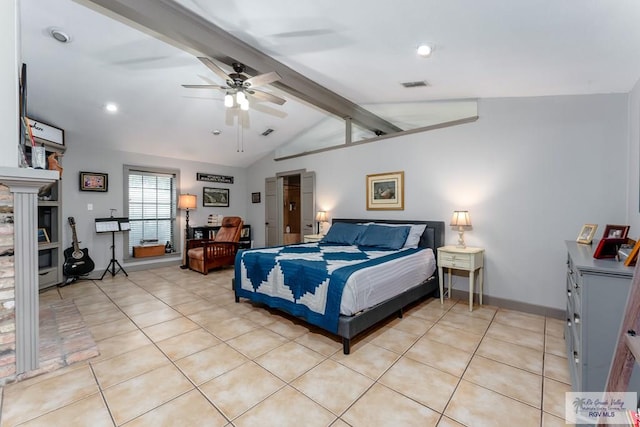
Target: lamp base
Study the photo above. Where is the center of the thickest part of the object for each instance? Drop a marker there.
(461, 243)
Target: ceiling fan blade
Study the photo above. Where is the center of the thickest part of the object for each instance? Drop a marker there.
(213, 67)
(262, 79)
(264, 96)
(205, 87)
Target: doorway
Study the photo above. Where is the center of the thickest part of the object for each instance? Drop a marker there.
(289, 207)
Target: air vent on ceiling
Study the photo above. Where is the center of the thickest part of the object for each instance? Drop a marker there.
(414, 84)
(267, 132)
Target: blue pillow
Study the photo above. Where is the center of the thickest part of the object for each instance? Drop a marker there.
(344, 233)
(384, 237)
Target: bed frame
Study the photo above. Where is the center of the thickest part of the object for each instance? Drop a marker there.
(350, 326)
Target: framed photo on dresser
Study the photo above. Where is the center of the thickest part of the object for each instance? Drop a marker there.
(586, 233)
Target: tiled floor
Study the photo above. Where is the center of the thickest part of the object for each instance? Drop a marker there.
(175, 349)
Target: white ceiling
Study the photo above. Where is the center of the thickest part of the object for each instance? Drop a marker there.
(359, 49)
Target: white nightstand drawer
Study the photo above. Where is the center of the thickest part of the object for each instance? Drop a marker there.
(455, 261)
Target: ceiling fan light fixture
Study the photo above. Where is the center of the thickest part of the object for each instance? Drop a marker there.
(244, 105)
(424, 50)
(240, 97)
(228, 100)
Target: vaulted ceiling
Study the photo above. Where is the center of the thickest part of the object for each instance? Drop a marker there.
(359, 51)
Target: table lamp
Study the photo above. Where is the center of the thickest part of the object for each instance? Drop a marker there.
(321, 216)
(186, 202)
(461, 219)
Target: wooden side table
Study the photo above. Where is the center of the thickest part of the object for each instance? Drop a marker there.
(468, 259)
(313, 238)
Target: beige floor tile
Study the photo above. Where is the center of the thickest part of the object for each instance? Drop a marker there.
(448, 422)
(486, 312)
(395, 340)
(278, 361)
(89, 411)
(23, 403)
(322, 343)
(188, 343)
(111, 329)
(557, 368)
(96, 307)
(332, 385)
(429, 312)
(286, 408)
(260, 317)
(91, 299)
(193, 307)
(257, 342)
(339, 423)
(504, 379)
(122, 343)
(213, 316)
(170, 328)
(144, 307)
(211, 362)
(148, 391)
(420, 382)
(369, 360)
(154, 317)
(457, 338)
(553, 397)
(190, 409)
(230, 328)
(128, 299)
(412, 325)
(477, 406)
(381, 407)
(241, 388)
(511, 354)
(515, 335)
(555, 327)
(440, 356)
(555, 345)
(128, 365)
(104, 316)
(517, 319)
(287, 328)
(549, 420)
(474, 325)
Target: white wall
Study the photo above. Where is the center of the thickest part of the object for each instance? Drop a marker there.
(78, 158)
(531, 171)
(633, 164)
(9, 77)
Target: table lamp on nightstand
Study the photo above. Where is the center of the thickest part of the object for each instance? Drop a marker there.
(461, 219)
(321, 217)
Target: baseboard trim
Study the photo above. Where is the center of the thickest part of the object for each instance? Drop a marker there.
(508, 304)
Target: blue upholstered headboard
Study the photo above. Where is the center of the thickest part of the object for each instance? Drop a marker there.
(433, 236)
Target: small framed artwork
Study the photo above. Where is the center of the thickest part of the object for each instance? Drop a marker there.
(94, 181)
(633, 255)
(255, 197)
(608, 248)
(587, 233)
(215, 197)
(245, 233)
(615, 231)
(43, 237)
(385, 191)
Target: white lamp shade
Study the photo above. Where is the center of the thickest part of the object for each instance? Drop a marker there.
(187, 201)
(461, 219)
(321, 216)
(228, 100)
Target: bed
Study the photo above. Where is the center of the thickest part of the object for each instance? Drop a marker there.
(362, 272)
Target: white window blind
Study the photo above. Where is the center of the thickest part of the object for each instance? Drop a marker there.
(151, 202)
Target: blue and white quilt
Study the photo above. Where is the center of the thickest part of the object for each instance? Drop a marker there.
(305, 280)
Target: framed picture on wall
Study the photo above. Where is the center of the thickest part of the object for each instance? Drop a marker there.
(255, 197)
(385, 191)
(215, 197)
(94, 181)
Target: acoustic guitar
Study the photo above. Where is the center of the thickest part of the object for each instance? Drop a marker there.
(76, 261)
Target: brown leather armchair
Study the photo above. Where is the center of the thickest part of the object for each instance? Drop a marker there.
(205, 254)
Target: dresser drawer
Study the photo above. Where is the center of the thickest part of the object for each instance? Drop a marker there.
(454, 260)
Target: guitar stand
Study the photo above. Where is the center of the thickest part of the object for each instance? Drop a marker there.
(111, 268)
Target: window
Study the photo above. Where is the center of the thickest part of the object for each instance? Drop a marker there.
(150, 203)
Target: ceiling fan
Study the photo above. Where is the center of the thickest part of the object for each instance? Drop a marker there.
(239, 86)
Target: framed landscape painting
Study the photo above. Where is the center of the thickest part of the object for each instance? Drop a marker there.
(215, 197)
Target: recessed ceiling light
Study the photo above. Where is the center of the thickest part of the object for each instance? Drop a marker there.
(111, 107)
(216, 132)
(60, 35)
(424, 50)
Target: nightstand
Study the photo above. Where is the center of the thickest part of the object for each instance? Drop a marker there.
(468, 259)
(313, 238)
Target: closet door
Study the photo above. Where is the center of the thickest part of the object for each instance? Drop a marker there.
(308, 202)
(273, 230)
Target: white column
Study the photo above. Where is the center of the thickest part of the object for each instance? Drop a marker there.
(9, 75)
